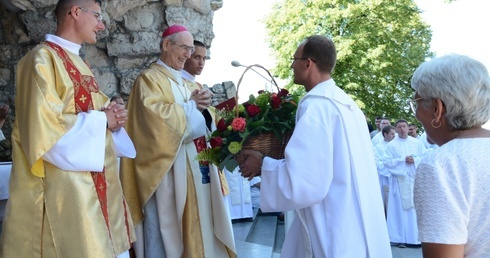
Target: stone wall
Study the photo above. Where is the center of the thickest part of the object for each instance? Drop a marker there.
(129, 43)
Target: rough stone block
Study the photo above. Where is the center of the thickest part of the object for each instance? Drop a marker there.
(18, 4)
(173, 2)
(5, 75)
(43, 3)
(202, 6)
(116, 9)
(107, 82)
(218, 88)
(216, 4)
(38, 25)
(200, 25)
(127, 81)
(95, 57)
(230, 89)
(134, 44)
(123, 63)
(148, 17)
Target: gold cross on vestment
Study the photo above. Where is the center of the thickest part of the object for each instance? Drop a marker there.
(73, 71)
(83, 98)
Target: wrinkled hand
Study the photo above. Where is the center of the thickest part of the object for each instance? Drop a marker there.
(117, 115)
(252, 165)
(202, 98)
(409, 160)
(4, 110)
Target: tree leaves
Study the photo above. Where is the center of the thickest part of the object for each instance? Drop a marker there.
(379, 45)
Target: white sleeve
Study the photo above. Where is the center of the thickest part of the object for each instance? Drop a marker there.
(123, 146)
(82, 148)
(255, 180)
(303, 178)
(197, 123)
(381, 158)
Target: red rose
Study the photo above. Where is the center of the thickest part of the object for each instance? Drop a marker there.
(221, 126)
(283, 93)
(253, 110)
(216, 142)
(238, 124)
(276, 102)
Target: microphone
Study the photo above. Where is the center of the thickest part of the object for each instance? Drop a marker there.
(237, 64)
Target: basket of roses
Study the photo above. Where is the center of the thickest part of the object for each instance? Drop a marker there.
(264, 123)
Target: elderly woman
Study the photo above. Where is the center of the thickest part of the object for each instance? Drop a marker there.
(452, 185)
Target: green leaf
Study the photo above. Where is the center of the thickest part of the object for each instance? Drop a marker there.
(225, 160)
(231, 164)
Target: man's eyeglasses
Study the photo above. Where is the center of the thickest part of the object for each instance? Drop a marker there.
(302, 58)
(185, 48)
(413, 104)
(97, 15)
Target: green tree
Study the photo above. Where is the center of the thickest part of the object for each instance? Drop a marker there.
(379, 45)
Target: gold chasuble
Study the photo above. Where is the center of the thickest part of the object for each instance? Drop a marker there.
(163, 185)
(53, 212)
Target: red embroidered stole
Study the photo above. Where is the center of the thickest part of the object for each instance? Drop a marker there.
(83, 86)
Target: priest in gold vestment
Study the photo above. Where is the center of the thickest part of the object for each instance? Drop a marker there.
(65, 195)
(178, 211)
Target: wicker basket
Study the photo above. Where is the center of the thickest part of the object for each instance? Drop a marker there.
(268, 143)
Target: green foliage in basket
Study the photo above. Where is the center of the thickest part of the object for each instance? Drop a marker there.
(267, 113)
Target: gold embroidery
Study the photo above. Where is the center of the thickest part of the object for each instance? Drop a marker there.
(83, 98)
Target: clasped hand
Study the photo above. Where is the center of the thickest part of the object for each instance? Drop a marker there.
(117, 115)
(409, 159)
(202, 98)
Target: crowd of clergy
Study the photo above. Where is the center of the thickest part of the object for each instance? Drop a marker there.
(398, 151)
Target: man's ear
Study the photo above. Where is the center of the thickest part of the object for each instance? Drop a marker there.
(75, 12)
(165, 44)
(439, 110)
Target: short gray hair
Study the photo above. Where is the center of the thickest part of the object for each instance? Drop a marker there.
(461, 83)
(173, 38)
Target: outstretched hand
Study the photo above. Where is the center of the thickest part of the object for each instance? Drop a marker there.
(117, 115)
(251, 166)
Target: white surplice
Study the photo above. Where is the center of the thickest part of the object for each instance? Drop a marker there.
(401, 216)
(329, 176)
(383, 173)
(240, 198)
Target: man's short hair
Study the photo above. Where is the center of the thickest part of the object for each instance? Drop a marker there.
(385, 118)
(63, 6)
(322, 51)
(198, 43)
(387, 129)
(401, 121)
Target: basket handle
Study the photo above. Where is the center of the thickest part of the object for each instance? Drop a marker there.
(241, 77)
